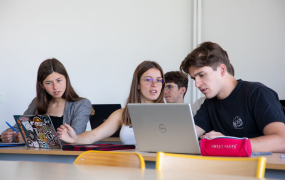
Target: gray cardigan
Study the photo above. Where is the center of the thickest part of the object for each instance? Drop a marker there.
(76, 114)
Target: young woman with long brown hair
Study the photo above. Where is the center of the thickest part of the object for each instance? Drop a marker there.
(147, 87)
(56, 98)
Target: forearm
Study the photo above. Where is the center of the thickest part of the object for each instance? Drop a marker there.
(85, 138)
(268, 143)
(109, 127)
(199, 131)
(90, 137)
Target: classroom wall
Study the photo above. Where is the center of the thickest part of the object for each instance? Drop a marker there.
(99, 42)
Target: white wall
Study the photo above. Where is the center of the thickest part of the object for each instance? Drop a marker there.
(253, 34)
(99, 42)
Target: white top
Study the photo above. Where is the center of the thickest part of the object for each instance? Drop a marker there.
(196, 106)
(127, 135)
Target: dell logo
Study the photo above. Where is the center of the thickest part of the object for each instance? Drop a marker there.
(162, 128)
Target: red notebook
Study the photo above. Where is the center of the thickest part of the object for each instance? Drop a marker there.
(101, 147)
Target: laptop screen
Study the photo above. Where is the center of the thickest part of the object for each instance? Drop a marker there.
(102, 112)
(282, 102)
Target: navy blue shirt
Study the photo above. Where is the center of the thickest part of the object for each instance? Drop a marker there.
(244, 113)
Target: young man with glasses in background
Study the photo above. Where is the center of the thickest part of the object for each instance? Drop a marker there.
(176, 84)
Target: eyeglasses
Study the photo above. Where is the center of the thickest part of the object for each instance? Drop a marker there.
(149, 81)
(169, 87)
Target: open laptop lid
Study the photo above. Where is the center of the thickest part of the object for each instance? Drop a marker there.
(102, 112)
(164, 127)
(38, 131)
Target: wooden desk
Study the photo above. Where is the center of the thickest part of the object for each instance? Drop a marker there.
(275, 166)
(23, 153)
(273, 161)
(52, 171)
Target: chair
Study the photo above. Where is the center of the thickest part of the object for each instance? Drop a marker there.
(253, 167)
(107, 158)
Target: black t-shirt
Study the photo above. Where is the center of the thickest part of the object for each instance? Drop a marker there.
(244, 113)
(56, 121)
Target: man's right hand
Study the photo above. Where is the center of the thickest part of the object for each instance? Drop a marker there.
(7, 137)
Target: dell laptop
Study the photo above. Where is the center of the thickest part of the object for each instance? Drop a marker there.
(164, 127)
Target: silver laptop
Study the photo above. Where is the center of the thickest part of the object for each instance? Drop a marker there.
(164, 127)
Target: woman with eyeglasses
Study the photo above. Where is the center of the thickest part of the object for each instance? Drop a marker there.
(147, 87)
(56, 98)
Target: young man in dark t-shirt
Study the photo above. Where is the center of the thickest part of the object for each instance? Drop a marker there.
(234, 107)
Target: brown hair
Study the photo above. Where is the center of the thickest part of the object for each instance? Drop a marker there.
(135, 94)
(177, 77)
(46, 68)
(207, 54)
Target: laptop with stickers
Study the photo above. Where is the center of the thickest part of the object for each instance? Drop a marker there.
(38, 131)
(164, 127)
